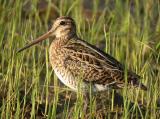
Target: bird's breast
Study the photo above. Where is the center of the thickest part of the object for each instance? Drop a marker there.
(55, 54)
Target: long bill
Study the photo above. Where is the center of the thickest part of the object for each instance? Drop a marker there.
(40, 39)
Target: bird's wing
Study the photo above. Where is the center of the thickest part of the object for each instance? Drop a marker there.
(102, 55)
(91, 63)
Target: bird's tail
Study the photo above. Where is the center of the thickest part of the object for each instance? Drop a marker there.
(134, 79)
(143, 87)
(135, 83)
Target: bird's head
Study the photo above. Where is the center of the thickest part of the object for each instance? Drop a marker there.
(62, 27)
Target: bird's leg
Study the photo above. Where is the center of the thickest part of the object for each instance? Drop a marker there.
(86, 102)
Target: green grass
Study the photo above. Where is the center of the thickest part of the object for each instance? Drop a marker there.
(28, 86)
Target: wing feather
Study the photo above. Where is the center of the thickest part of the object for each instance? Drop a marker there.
(93, 65)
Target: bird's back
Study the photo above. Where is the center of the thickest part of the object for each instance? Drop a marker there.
(81, 60)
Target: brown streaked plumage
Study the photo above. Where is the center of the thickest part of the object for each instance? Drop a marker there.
(74, 59)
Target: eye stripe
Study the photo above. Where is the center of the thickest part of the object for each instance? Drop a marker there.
(62, 23)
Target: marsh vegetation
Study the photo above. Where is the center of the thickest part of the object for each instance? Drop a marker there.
(129, 31)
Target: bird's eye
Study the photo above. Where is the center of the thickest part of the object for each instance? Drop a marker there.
(62, 23)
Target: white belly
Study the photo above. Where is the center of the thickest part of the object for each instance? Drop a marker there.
(66, 79)
(72, 83)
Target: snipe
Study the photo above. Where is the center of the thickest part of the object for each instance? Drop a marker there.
(74, 59)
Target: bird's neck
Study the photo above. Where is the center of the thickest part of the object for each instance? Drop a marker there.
(58, 42)
(66, 36)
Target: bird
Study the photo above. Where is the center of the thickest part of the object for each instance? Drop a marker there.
(75, 61)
